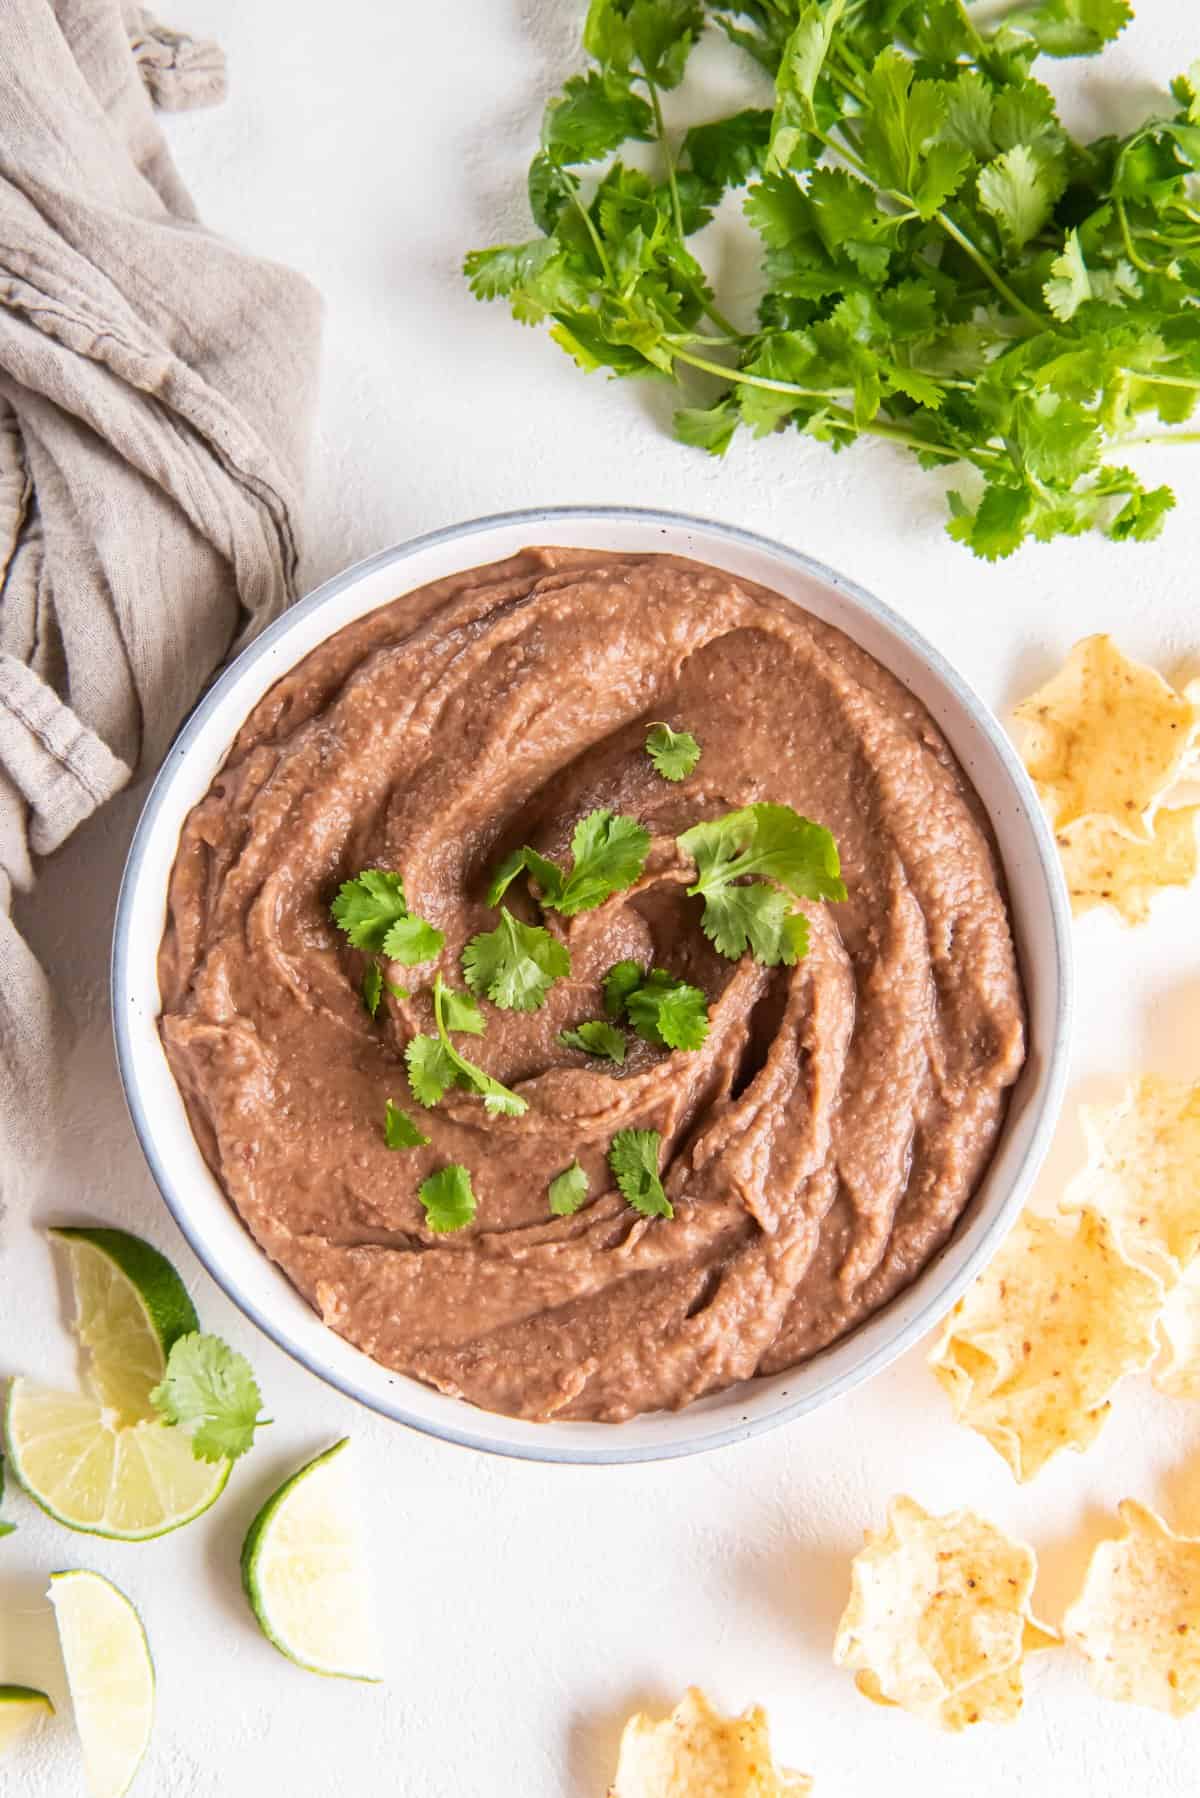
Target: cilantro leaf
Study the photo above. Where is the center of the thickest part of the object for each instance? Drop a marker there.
(411, 941)
(209, 1391)
(372, 987)
(367, 906)
(592, 116)
(1019, 189)
(567, 1191)
(674, 753)
(608, 851)
(448, 1198)
(728, 151)
(374, 914)
(761, 840)
(623, 978)
(399, 1130)
(6, 1528)
(633, 1157)
(668, 1012)
(431, 1069)
(596, 1037)
(1065, 27)
(461, 1012)
(516, 964)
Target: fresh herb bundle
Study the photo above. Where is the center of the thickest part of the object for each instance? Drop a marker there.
(945, 266)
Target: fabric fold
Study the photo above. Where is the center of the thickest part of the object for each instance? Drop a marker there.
(156, 389)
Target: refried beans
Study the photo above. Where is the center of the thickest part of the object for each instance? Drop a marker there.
(817, 1150)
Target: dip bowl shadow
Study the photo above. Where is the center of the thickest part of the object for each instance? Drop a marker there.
(1041, 920)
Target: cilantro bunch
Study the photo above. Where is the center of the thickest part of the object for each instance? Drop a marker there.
(944, 266)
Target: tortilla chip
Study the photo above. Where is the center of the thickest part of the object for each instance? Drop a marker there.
(697, 1753)
(1106, 735)
(938, 1620)
(1031, 1353)
(1178, 1370)
(1138, 1617)
(1143, 1173)
(1105, 866)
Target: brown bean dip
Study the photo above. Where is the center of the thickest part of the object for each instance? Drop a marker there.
(819, 1148)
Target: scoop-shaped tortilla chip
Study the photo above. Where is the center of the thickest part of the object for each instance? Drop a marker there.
(1106, 735)
(698, 1753)
(938, 1620)
(1143, 1172)
(1138, 1617)
(1031, 1353)
(1105, 866)
(1177, 1372)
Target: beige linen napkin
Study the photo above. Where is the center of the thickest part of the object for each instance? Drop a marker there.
(156, 386)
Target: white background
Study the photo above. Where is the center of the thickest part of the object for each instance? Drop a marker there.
(526, 1610)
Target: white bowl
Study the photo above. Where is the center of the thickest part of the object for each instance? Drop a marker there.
(1041, 920)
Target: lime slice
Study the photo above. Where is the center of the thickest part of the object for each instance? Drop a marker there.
(103, 1461)
(111, 1677)
(21, 1709)
(304, 1573)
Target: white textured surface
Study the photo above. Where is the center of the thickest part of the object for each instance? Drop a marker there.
(526, 1609)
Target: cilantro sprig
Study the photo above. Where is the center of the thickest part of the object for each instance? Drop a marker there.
(209, 1391)
(757, 845)
(674, 753)
(516, 964)
(596, 1037)
(399, 1131)
(435, 1065)
(667, 1012)
(448, 1198)
(633, 1156)
(373, 912)
(608, 853)
(567, 1191)
(945, 266)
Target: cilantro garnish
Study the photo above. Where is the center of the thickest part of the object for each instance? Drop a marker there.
(372, 987)
(210, 1392)
(945, 267)
(608, 853)
(761, 840)
(374, 914)
(633, 1158)
(434, 1064)
(568, 1190)
(399, 1131)
(596, 1037)
(621, 980)
(448, 1198)
(667, 1012)
(516, 964)
(673, 752)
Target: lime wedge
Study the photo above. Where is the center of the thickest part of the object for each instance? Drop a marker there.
(21, 1709)
(111, 1677)
(130, 1308)
(102, 1460)
(304, 1573)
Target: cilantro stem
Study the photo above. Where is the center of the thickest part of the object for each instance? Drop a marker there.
(1147, 268)
(746, 379)
(1159, 437)
(873, 428)
(669, 160)
(985, 268)
(572, 187)
(1135, 374)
